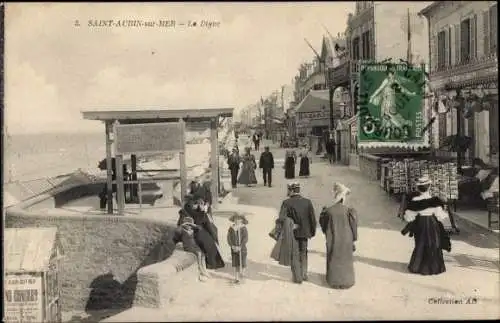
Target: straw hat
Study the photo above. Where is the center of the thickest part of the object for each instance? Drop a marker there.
(238, 216)
(293, 185)
(340, 191)
(424, 180)
(188, 221)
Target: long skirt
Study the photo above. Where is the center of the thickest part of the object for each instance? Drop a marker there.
(247, 176)
(289, 168)
(208, 246)
(304, 167)
(427, 257)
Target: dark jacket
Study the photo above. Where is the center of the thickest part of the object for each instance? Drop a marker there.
(234, 241)
(266, 160)
(330, 146)
(234, 161)
(304, 215)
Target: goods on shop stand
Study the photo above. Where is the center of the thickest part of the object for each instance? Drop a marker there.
(403, 175)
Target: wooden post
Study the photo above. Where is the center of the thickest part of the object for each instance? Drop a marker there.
(214, 163)
(109, 170)
(133, 161)
(182, 160)
(120, 187)
(120, 191)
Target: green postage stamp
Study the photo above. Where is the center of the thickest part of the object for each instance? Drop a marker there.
(390, 103)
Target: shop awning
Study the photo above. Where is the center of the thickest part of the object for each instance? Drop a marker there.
(317, 101)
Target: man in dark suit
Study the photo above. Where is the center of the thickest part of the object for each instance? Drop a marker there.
(304, 223)
(266, 163)
(233, 163)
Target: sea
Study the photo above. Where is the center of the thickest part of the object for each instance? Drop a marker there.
(34, 156)
(30, 157)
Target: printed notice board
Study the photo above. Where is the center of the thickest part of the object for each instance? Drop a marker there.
(149, 138)
(23, 298)
(390, 104)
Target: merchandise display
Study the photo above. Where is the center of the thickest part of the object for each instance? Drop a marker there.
(403, 174)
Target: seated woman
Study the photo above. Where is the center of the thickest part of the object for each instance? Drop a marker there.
(206, 235)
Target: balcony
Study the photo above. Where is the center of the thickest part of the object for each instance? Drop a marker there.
(466, 66)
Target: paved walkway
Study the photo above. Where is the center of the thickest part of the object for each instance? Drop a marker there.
(383, 290)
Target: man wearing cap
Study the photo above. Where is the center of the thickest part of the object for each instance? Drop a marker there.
(301, 210)
(266, 163)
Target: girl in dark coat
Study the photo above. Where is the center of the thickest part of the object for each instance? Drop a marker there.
(339, 224)
(424, 214)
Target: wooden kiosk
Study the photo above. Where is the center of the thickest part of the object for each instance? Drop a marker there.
(32, 286)
(153, 131)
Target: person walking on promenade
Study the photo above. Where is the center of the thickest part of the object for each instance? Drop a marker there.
(266, 163)
(256, 141)
(330, 149)
(339, 224)
(304, 162)
(233, 163)
(301, 211)
(247, 175)
(237, 238)
(290, 161)
(424, 215)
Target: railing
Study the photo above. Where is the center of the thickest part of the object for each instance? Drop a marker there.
(467, 64)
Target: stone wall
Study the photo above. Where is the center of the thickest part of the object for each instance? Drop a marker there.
(101, 254)
(369, 165)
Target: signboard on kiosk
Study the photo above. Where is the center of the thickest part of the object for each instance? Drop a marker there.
(148, 138)
(31, 284)
(391, 103)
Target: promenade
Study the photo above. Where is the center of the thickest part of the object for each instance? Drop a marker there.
(384, 289)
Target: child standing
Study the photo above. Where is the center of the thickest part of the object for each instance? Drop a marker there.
(185, 233)
(237, 238)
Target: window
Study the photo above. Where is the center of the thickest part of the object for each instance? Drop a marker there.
(467, 40)
(441, 57)
(355, 49)
(365, 39)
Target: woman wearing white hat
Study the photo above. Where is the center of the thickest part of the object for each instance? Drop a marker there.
(339, 224)
(424, 214)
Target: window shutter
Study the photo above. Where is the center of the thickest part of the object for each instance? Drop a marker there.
(493, 28)
(446, 48)
(473, 37)
(457, 43)
(372, 45)
(434, 51)
(449, 47)
(486, 28)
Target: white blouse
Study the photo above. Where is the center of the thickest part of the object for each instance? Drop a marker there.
(438, 211)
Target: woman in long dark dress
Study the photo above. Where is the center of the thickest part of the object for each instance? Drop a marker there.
(205, 235)
(290, 160)
(304, 163)
(424, 214)
(339, 224)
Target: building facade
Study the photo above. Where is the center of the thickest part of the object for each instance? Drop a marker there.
(377, 31)
(464, 73)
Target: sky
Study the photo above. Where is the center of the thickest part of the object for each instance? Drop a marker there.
(54, 69)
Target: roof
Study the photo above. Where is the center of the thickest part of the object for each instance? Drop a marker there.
(137, 115)
(429, 8)
(315, 101)
(29, 249)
